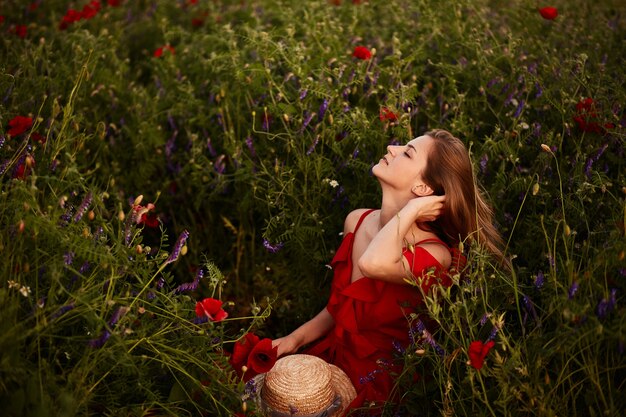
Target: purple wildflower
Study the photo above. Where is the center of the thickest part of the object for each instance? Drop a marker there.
(518, 111)
(272, 248)
(484, 318)
(2, 140)
(200, 320)
(117, 315)
(306, 120)
(303, 94)
(62, 310)
(492, 82)
(398, 346)
(100, 341)
(68, 257)
(536, 129)
(369, 377)
(602, 309)
(322, 110)
(4, 166)
(250, 387)
(182, 238)
(539, 90)
(250, 146)
(313, 145)
(84, 205)
(84, 267)
(210, 147)
(483, 164)
(170, 121)
(220, 164)
(530, 308)
(160, 283)
(539, 280)
(494, 332)
(190, 286)
(572, 290)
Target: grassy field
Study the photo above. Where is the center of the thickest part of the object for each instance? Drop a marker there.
(155, 154)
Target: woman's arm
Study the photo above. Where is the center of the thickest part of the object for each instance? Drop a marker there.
(312, 330)
(383, 257)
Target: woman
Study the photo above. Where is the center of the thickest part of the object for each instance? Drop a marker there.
(430, 203)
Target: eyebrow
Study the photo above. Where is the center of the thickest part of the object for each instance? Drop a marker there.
(411, 146)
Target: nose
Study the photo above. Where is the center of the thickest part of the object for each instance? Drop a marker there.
(391, 149)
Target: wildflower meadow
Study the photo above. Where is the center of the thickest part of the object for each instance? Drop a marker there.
(174, 176)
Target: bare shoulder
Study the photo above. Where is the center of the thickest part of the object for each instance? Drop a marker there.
(352, 219)
(440, 252)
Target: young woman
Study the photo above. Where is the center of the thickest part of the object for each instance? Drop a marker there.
(430, 203)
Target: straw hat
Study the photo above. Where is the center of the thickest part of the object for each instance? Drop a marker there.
(304, 385)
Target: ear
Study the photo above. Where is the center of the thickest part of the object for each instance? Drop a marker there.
(422, 190)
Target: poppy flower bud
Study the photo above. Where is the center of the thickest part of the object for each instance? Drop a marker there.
(121, 216)
(420, 352)
(91, 215)
(535, 188)
(546, 148)
(138, 200)
(567, 230)
(139, 249)
(21, 226)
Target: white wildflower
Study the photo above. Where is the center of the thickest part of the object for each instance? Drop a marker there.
(25, 291)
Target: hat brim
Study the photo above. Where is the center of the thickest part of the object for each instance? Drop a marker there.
(339, 380)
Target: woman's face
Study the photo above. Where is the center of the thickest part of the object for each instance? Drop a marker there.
(402, 165)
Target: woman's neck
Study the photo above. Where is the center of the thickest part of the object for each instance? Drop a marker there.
(389, 209)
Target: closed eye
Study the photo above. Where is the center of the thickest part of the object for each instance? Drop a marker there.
(407, 154)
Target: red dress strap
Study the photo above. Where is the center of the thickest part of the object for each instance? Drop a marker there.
(432, 240)
(363, 216)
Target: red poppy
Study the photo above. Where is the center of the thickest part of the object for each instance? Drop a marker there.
(38, 138)
(159, 52)
(242, 350)
(211, 308)
(361, 52)
(549, 13)
(19, 125)
(478, 351)
(1, 19)
(20, 30)
(71, 16)
(197, 22)
(90, 10)
(587, 116)
(386, 114)
(114, 3)
(33, 6)
(150, 220)
(262, 357)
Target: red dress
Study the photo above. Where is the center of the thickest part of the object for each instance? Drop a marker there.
(371, 320)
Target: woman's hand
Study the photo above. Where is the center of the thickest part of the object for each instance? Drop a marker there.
(286, 345)
(425, 209)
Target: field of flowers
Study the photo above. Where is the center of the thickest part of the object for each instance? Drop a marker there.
(174, 175)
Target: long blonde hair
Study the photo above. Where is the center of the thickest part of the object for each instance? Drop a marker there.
(467, 216)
